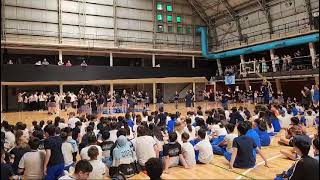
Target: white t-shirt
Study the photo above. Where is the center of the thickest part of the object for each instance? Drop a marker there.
(113, 135)
(191, 134)
(32, 163)
(84, 152)
(145, 149)
(310, 120)
(229, 139)
(205, 151)
(189, 154)
(72, 122)
(67, 177)
(285, 121)
(67, 151)
(10, 139)
(62, 125)
(227, 113)
(98, 169)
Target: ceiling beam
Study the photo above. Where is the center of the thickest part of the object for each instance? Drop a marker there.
(234, 17)
(266, 10)
(200, 11)
(209, 22)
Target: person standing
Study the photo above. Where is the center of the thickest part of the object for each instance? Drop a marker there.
(100, 102)
(20, 101)
(306, 97)
(176, 99)
(188, 100)
(42, 101)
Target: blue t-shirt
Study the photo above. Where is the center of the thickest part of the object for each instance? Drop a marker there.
(264, 137)
(130, 123)
(245, 146)
(294, 111)
(255, 137)
(170, 125)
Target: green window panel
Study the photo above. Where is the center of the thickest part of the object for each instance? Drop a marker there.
(179, 29)
(169, 8)
(160, 28)
(188, 30)
(159, 6)
(169, 18)
(170, 29)
(179, 19)
(159, 17)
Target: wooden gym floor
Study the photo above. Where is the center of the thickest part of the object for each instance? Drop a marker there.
(217, 169)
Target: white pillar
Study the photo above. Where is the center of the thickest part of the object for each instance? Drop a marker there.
(242, 59)
(194, 90)
(154, 92)
(278, 86)
(61, 89)
(313, 54)
(193, 62)
(111, 89)
(153, 60)
(60, 56)
(111, 59)
(272, 55)
(219, 67)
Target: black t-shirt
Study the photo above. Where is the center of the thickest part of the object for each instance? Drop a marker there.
(81, 102)
(163, 119)
(100, 100)
(6, 171)
(75, 133)
(52, 98)
(159, 99)
(172, 149)
(176, 97)
(245, 146)
(106, 145)
(54, 143)
(68, 99)
(306, 168)
(18, 153)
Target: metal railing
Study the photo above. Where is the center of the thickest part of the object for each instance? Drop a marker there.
(297, 27)
(298, 63)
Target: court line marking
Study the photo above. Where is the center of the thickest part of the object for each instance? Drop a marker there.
(247, 171)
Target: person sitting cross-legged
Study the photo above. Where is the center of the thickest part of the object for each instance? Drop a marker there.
(172, 153)
(242, 153)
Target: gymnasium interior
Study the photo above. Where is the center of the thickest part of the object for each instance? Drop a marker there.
(161, 47)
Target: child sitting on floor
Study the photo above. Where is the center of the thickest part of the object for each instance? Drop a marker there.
(188, 150)
(204, 148)
(242, 153)
(226, 144)
(172, 153)
(260, 126)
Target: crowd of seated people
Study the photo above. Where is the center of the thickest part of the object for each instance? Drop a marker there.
(128, 144)
(60, 63)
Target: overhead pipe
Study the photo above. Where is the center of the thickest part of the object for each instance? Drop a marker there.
(255, 48)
